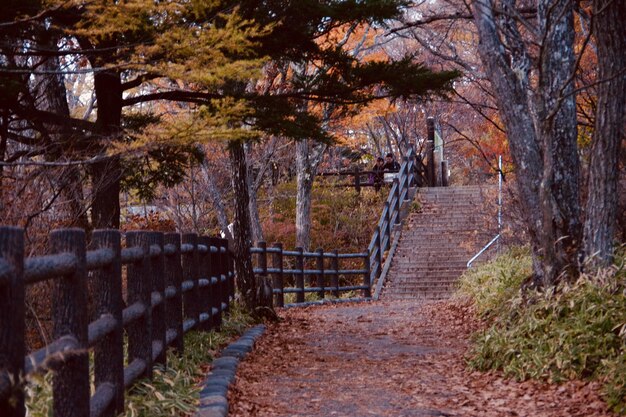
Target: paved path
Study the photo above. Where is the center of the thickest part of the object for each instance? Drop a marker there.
(378, 359)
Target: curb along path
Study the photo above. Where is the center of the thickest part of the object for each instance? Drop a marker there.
(383, 359)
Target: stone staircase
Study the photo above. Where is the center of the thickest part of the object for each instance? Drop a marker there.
(436, 242)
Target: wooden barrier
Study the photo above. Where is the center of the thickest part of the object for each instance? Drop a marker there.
(172, 288)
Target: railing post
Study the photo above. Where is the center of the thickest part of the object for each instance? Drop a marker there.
(320, 275)
(11, 320)
(204, 293)
(279, 282)
(157, 268)
(109, 353)
(357, 180)
(138, 277)
(190, 273)
(71, 391)
(388, 228)
(335, 276)
(381, 250)
(430, 152)
(398, 200)
(173, 281)
(218, 264)
(367, 293)
(300, 275)
(230, 272)
(262, 258)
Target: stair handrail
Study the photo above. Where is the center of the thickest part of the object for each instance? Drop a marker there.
(381, 238)
(497, 237)
(480, 252)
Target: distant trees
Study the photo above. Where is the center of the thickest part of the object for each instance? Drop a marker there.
(167, 75)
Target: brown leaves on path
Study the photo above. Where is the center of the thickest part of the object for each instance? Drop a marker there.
(384, 359)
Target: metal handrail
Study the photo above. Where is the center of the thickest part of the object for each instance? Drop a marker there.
(487, 246)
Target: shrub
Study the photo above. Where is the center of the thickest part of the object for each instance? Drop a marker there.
(575, 330)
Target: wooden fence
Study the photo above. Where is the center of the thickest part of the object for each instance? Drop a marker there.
(174, 284)
(327, 272)
(325, 275)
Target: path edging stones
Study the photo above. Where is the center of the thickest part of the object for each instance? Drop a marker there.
(213, 397)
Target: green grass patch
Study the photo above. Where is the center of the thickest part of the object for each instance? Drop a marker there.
(574, 331)
(173, 391)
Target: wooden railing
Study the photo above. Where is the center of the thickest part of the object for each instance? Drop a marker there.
(327, 272)
(326, 275)
(174, 284)
(390, 216)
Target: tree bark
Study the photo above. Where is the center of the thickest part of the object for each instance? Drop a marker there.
(255, 221)
(106, 175)
(541, 126)
(307, 160)
(557, 126)
(602, 202)
(51, 96)
(246, 281)
(216, 199)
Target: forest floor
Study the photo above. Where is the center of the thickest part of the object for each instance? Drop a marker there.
(384, 359)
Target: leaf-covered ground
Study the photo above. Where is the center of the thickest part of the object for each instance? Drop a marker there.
(380, 359)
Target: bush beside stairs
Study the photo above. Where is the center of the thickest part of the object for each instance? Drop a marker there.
(451, 225)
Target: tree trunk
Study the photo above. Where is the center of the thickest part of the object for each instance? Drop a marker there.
(253, 208)
(602, 202)
(51, 96)
(246, 281)
(307, 161)
(216, 199)
(541, 126)
(106, 175)
(557, 125)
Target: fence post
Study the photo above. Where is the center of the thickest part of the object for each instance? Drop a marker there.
(230, 273)
(11, 320)
(109, 353)
(262, 258)
(224, 268)
(190, 273)
(138, 283)
(217, 266)
(381, 250)
(71, 391)
(300, 275)
(367, 293)
(157, 268)
(357, 180)
(320, 275)
(279, 282)
(387, 232)
(430, 152)
(173, 281)
(398, 201)
(335, 276)
(204, 293)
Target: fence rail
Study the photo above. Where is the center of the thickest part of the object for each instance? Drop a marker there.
(325, 275)
(174, 284)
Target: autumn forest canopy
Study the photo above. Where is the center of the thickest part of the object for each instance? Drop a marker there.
(193, 114)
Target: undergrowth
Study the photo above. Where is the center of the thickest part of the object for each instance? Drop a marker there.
(173, 391)
(574, 331)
